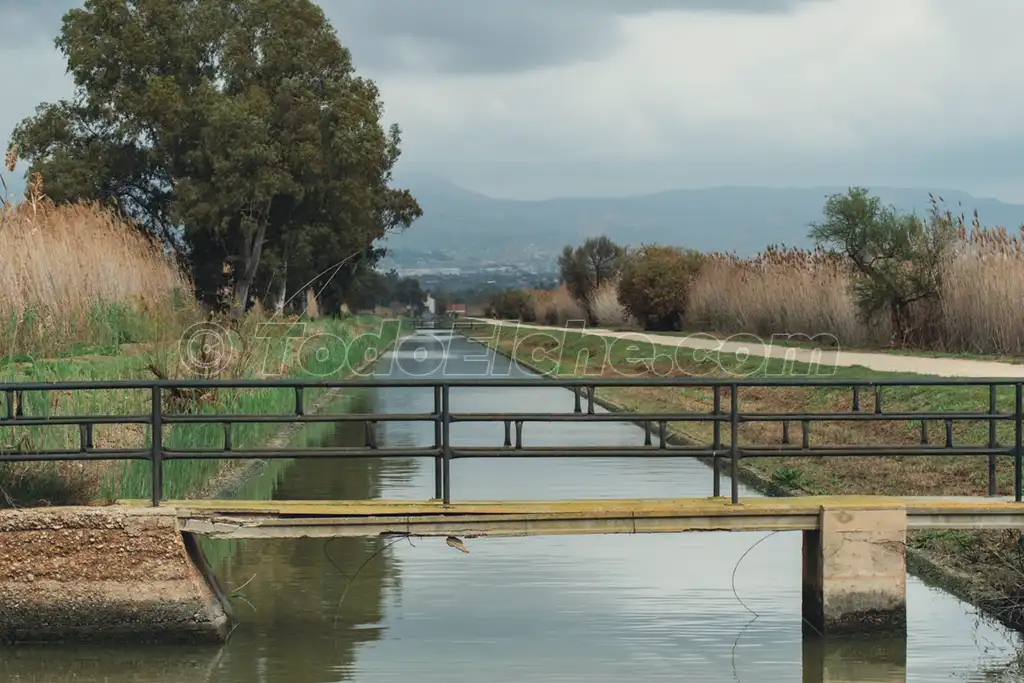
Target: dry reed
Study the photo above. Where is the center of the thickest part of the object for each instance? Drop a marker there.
(793, 291)
(781, 291)
(77, 273)
(556, 306)
(605, 306)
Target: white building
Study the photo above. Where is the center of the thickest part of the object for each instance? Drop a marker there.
(431, 305)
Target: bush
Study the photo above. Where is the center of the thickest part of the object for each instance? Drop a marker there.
(606, 309)
(587, 268)
(655, 284)
(513, 304)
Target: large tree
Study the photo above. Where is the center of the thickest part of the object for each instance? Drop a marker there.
(588, 267)
(235, 131)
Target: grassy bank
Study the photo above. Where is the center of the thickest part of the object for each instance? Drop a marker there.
(303, 351)
(985, 568)
(84, 296)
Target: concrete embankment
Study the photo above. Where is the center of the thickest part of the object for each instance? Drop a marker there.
(86, 574)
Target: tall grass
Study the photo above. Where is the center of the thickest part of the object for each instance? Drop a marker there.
(798, 291)
(78, 273)
(556, 306)
(781, 291)
(331, 356)
(84, 296)
(605, 306)
(315, 354)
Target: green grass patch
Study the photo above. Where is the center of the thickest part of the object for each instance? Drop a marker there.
(327, 350)
(582, 354)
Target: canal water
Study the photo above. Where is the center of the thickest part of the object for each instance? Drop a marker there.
(712, 607)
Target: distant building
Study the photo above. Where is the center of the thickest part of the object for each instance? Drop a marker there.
(457, 310)
(431, 304)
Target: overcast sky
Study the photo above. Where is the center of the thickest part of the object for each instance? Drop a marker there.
(538, 98)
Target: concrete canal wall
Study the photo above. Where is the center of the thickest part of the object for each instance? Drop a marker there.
(85, 574)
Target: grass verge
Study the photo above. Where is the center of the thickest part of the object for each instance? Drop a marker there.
(329, 348)
(983, 568)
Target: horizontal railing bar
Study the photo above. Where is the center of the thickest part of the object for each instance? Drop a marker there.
(298, 419)
(508, 451)
(511, 382)
(873, 451)
(711, 417)
(584, 417)
(872, 417)
(70, 420)
(655, 451)
(108, 454)
(255, 454)
(214, 418)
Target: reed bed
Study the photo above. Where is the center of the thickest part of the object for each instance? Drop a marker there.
(780, 291)
(556, 306)
(790, 291)
(607, 310)
(79, 274)
(85, 296)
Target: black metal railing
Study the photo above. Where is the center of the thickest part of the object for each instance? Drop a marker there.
(658, 438)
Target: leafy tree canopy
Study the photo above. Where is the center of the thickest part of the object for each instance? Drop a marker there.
(587, 267)
(896, 258)
(233, 130)
(655, 284)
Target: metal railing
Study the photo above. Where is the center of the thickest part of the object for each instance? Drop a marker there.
(657, 436)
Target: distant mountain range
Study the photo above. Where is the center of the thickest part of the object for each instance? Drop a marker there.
(461, 228)
(468, 227)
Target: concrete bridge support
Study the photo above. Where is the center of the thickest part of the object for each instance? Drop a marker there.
(855, 572)
(105, 573)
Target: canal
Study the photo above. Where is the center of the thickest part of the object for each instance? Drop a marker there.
(710, 607)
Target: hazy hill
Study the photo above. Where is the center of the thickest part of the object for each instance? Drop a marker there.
(467, 225)
(461, 227)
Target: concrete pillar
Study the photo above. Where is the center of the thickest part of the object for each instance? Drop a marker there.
(853, 660)
(855, 572)
(105, 574)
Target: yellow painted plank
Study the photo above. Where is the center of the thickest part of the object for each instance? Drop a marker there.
(582, 508)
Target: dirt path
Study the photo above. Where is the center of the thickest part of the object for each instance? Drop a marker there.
(880, 362)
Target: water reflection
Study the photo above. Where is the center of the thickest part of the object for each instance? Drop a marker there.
(855, 660)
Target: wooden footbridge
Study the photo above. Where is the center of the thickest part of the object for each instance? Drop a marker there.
(854, 546)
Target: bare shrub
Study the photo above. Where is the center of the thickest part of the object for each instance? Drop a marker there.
(605, 306)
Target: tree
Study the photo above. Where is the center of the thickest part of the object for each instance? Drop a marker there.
(584, 269)
(512, 304)
(409, 293)
(896, 258)
(655, 283)
(232, 130)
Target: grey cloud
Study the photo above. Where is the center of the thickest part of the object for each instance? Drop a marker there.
(453, 36)
(26, 22)
(497, 36)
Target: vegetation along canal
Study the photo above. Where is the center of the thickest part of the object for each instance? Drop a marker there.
(703, 607)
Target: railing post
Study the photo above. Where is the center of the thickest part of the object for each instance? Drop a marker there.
(1018, 419)
(157, 453)
(446, 439)
(992, 441)
(734, 448)
(716, 443)
(439, 445)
